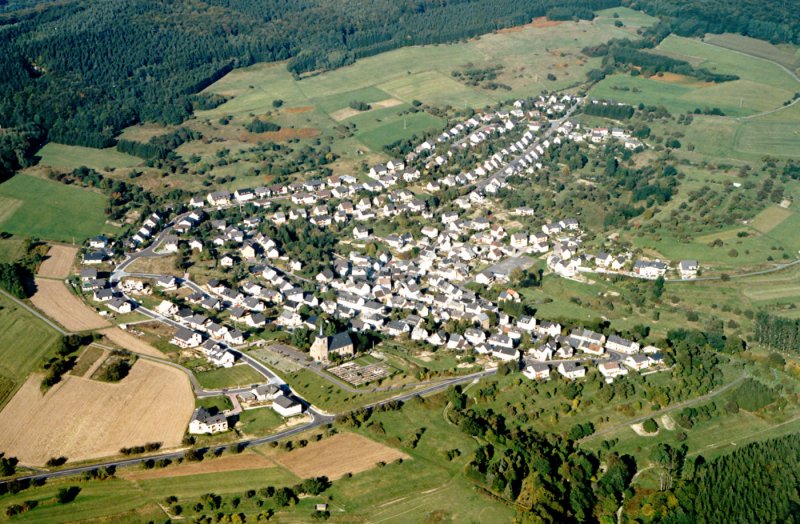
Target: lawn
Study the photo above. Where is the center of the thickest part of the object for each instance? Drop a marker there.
(31, 206)
(24, 341)
(66, 157)
(239, 375)
(259, 421)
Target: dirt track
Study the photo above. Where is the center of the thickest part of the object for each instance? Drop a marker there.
(58, 262)
(131, 342)
(337, 455)
(85, 419)
(56, 301)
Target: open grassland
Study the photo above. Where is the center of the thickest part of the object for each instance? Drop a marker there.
(240, 375)
(786, 55)
(58, 262)
(85, 419)
(402, 76)
(24, 341)
(57, 302)
(335, 456)
(31, 206)
(67, 158)
(762, 85)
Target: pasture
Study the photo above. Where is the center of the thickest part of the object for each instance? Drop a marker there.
(66, 158)
(762, 85)
(95, 419)
(31, 206)
(24, 341)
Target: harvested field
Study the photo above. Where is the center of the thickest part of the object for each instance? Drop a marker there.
(58, 262)
(541, 21)
(301, 109)
(241, 462)
(84, 419)
(675, 78)
(131, 342)
(56, 301)
(335, 456)
(345, 113)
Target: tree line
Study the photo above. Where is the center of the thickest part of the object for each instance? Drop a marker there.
(780, 333)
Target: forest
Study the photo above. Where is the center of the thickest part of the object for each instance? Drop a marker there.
(773, 20)
(82, 71)
(780, 333)
(755, 483)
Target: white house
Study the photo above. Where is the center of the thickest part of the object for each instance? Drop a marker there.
(286, 406)
(615, 343)
(611, 369)
(203, 422)
(571, 370)
(537, 372)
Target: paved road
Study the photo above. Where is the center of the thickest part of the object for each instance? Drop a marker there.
(34, 312)
(779, 267)
(317, 419)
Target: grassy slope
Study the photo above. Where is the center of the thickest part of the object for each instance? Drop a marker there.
(65, 157)
(68, 212)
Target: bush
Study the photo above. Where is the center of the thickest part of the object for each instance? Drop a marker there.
(67, 495)
(359, 106)
(650, 426)
(262, 126)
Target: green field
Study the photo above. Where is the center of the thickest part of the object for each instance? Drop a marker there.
(24, 341)
(240, 375)
(417, 73)
(762, 86)
(65, 157)
(31, 206)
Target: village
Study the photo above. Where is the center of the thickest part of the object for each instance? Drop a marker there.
(418, 285)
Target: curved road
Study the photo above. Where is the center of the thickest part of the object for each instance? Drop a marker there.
(317, 419)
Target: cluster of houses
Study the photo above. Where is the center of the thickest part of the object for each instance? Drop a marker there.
(413, 288)
(99, 250)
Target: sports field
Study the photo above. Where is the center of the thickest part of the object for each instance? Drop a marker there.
(67, 158)
(85, 419)
(31, 206)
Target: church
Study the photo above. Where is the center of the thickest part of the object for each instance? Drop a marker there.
(339, 344)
